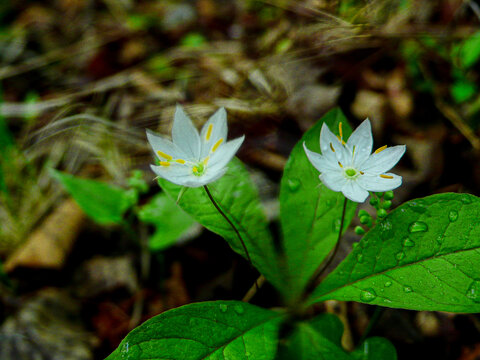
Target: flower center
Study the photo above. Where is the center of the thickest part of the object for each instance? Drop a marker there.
(199, 169)
(351, 173)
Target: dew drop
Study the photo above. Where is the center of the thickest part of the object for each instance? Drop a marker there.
(223, 308)
(400, 255)
(354, 245)
(387, 301)
(239, 309)
(329, 203)
(473, 292)
(417, 206)
(336, 225)
(407, 242)
(293, 184)
(407, 289)
(418, 226)
(453, 216)
(440, 239)
(360, 258)
(466, 200)
(368, 295)
(388, 284)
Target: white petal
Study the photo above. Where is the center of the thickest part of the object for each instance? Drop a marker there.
(379, 163)
(185, 135)
(328, 140)
(320, 162)
(221, 157)
(211, 176)
(379, 184)
(362, 141)
(334, 180)
(176, 173)
(214, 130)
(159, 143)
(352, 191)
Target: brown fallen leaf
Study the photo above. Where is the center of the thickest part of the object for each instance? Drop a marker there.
(48, 246)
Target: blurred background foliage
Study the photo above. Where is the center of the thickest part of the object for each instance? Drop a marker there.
(81, 80)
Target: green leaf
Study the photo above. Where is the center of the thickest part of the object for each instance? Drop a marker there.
(238, 198)
(102, 202)
(309, 212)
(375, 348)
(210, 330)
(423, 256)
(462, 90)
(317, 339)
(469, 51)
(170, 221)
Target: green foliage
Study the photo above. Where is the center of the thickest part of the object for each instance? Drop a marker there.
(308, 238)
(193, 40)
(209, 330)
(463, 90)
(467, 52)
(319, 338)
(375, 348)
(422, 256)
(238, 198)
(102, 202)
(170, 221)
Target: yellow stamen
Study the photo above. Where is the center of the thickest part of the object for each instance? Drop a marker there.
(386, 176)
(165, 156)
(195, 170)
(180, 161)
(217, 144)
(331, 147)
(339, 163)
(362, 173)
(380, 149)
(205, 161)
(340, 131)
(209, 132)
(164, 163)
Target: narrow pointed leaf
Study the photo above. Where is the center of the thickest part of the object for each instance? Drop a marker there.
(214, 330)
(309, 212)
(423, 256)
(237, 197)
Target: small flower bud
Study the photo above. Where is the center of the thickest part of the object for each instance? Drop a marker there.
(359, 231)
(387, 204)
(388, 195)
(379, 194)
(373, 201)
(382, 213)
(365, 219)
(363, 213)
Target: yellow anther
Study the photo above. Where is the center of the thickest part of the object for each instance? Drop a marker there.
(205, 161)
(164, 163)
(163, 155)
(180, 161)
(339, 163)
(217, 144)
(386, 176)
(380, 149)
(209, 132)
(195, 170)
(362, 173)
(340, 131)
(331, 147)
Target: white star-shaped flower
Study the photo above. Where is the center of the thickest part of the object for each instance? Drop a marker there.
(192, 159)
(351, 168)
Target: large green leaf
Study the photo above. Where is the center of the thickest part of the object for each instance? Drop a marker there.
(210, 330)
(309, 212)
(468, 52)
(375, 348)
(103, 202)
(170, 221)
(422, 256)
(317, 339)
(238, 198)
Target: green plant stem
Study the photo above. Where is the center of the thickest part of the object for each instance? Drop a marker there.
(253, 290)
(327, 263)
(373, 321)
(228, 220)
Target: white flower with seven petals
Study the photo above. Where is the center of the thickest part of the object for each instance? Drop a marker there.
(351, 168)
(192, 159)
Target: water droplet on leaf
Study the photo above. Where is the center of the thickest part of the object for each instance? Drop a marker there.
(440, 239)
(223, 308)
(473, 292)
(418, 226)
(466, 200)
(400, 255)
(239, 309)
(407, 289)
(293, 184)
(388, 284)
(360, 258)
(368, 295)
(453, 216)
(336, 225)
(407, 242)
